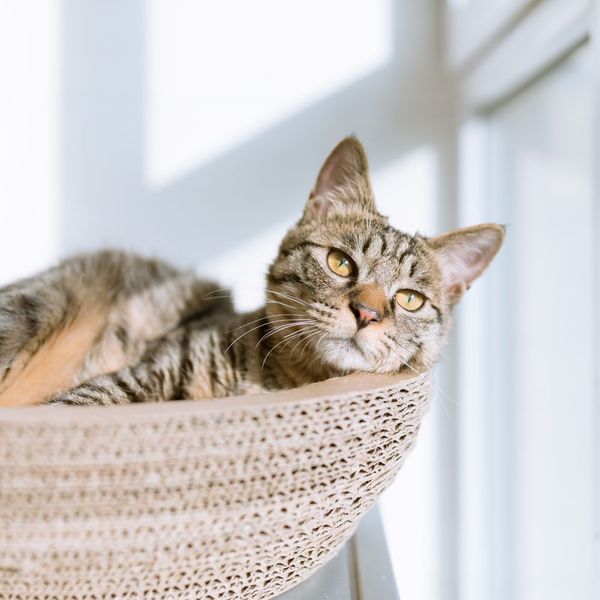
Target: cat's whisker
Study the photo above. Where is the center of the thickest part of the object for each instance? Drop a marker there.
(310, 334)
(244, 334)
(321, 355)
(222, 297)
(400, 359)
(380, 361)
(305, 334)
(295, 335)
(266, 318)
(316, 347)
(270, 351)
(288, 297)
(442, 393)
(241, 336)
(221, 291)
(281, 328)
(271, 301)
(304, 331)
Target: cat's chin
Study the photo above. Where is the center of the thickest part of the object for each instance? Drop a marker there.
(345, 354)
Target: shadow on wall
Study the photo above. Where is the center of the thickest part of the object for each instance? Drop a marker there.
(264, 180)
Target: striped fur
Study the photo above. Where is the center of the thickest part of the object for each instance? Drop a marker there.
(114, 328)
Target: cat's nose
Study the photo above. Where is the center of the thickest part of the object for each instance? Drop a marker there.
(365, 314)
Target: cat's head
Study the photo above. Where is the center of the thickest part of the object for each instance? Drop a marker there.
(348, 292)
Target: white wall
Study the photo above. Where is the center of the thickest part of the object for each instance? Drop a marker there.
(30, 136)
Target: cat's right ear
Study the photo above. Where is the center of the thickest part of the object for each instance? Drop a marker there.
(343, 182)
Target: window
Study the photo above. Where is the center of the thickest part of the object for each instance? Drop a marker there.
(472, 24)
(526, 428)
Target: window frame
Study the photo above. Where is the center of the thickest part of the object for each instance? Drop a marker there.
(525, 43)
(473, 27)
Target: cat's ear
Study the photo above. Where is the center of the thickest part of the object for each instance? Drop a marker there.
(463, 255)
(343, 181)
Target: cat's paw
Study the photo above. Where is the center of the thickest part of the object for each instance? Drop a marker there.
(64, 399)
(57, 401)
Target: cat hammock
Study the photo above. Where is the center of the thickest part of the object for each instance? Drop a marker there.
(237, 498)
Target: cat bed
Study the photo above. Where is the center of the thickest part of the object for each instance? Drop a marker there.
(237, 498)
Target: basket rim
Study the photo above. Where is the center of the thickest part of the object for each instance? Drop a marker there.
(345, 386)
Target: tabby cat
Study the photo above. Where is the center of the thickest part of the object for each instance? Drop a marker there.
(347, 292)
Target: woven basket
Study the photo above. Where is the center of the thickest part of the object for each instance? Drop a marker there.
(237, 498)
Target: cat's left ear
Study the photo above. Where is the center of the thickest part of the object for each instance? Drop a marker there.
(343, 182)
(464, 254)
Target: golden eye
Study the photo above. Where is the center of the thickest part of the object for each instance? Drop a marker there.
(410, 300)
(341, 264)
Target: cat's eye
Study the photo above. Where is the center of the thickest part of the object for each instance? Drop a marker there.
(341, 264)
(410, 300)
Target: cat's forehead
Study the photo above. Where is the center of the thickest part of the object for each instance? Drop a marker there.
(382, 252)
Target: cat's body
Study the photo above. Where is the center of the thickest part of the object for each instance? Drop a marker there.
(100, 313)
(347, 292)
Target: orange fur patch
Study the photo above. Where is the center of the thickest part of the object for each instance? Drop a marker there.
(56, 365)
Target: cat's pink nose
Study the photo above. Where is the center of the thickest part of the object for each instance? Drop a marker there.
(365, 314)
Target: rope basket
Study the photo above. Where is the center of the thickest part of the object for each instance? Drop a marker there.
(237, 498)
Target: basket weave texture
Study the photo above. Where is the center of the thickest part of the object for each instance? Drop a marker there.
(238, 498)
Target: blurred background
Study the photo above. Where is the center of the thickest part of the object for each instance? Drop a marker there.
(194, 130)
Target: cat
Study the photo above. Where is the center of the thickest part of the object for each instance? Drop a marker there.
(347, 292)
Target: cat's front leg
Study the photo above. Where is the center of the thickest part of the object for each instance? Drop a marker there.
(126, 386)
(167, 371)
(164, 373)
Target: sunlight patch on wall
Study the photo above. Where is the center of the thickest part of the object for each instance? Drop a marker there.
(29, 136)
(405, 191)
(219, 73)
